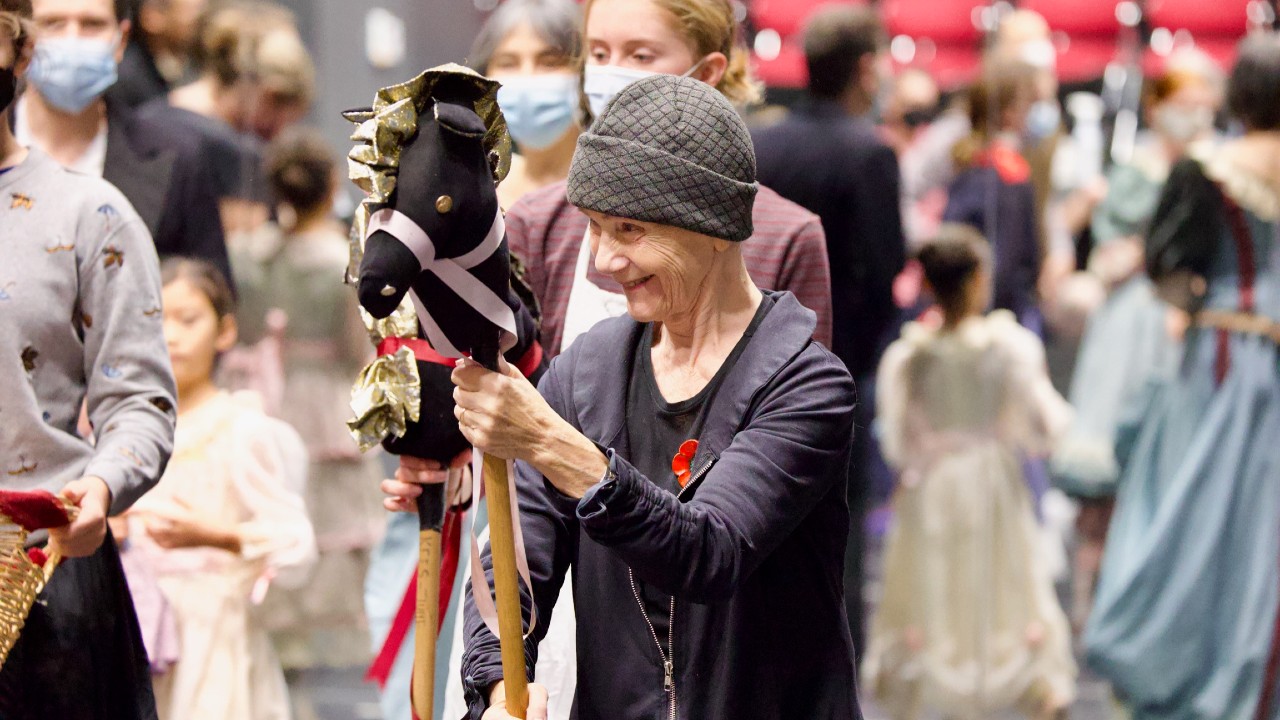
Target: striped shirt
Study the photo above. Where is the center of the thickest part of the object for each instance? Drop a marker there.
(787, 252)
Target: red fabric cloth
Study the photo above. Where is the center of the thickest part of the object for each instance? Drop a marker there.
(787, 252)
(1009, 163)
(422, 350)
(33, 509)
(450, 545)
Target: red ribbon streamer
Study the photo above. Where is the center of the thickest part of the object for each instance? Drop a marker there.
(423, 351)
(450, 538)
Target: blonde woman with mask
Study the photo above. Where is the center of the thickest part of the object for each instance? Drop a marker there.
(626, 40)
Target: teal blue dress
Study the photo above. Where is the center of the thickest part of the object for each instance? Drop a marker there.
(1184, 621)
(1125, 347)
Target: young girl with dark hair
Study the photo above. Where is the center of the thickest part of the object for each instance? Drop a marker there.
(302, 345)
(226, 521)
(968, 624)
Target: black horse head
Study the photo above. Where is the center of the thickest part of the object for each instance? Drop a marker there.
(445, 186)
(440, 236)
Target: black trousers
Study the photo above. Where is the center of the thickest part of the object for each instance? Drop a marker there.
(80, 655)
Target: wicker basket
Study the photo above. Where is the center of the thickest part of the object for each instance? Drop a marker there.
(23, 575)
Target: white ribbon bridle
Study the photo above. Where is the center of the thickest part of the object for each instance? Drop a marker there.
(453, 272)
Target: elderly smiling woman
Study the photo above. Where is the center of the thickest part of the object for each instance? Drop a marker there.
(687, 462)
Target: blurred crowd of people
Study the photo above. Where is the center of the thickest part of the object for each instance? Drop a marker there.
(1065, 357)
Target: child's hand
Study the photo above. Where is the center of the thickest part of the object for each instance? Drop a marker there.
(179, 527)
(84, 535)
(404, 490)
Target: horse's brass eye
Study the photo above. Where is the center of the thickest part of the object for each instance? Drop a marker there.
(444, 204)
(388, 291)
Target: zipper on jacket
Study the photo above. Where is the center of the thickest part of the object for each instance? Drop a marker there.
(694, 478)
(667, 655)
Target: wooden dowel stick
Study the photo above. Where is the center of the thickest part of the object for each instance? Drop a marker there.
(502, 544)
(427, 606)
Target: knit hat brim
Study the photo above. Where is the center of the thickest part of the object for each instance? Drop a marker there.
(628, 179)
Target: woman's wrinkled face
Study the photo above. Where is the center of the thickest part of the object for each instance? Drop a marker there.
(524, 52)
(664, 271)
(638, 35)
(194, 333)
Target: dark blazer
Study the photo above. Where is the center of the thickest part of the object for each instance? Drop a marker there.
(835, 166)
(1002, 209)
(752, 550)
(140, 79)
(164, 171)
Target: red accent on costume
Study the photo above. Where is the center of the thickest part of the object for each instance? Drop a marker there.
(422, 350)
(1271, 676)
(37, 556)
(1008, 163)
(450, 538)
(680, 464)
(33, 509)
(531, 359)
(1245, 264)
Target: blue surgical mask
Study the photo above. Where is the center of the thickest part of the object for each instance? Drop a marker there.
(72, 72)
(1043, 120)
(538, 108)
(601, 83)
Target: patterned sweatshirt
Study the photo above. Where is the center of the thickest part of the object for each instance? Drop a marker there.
(80, 322)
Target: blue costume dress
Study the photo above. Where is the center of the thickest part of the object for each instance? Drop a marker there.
(1184, 625)
(1125, 347)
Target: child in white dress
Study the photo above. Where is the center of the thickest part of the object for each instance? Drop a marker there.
(968, 624)
(226, 520)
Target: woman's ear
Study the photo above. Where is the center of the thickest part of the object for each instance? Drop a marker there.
(25, 52)
(720, 245)
(712, 69)
(228, 333)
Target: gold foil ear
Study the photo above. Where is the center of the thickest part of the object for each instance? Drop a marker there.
(383, 129)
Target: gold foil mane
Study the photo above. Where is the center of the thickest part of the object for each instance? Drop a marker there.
(386, 396)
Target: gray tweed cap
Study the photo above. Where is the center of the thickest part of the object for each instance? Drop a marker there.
(669, 150)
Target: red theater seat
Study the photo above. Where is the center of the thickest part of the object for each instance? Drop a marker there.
(1208, 17)
(945, 36)
(787, 70)
(787, 17)
(942, 21)
(1077, 17)
(1085, 34)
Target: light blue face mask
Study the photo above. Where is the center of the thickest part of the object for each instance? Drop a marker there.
(72, 72)
(538, 108)
(601, 83)
(1042, 120)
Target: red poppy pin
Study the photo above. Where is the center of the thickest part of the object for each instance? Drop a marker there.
(680, 464)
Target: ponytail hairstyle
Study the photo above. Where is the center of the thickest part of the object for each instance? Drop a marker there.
(1004, 84)
(950, 261)
(710, 26)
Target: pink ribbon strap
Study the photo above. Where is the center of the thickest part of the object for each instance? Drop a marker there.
(454, 273)
(479, 585)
